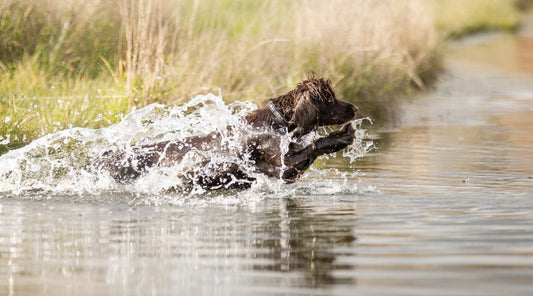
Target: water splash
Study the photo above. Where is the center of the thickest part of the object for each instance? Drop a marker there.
(65, 162)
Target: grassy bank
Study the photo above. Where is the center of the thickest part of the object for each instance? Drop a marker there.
(80, 63)
(83, 63)
(458, 18)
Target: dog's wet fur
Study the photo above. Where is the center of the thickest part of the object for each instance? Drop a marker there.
(310, 105)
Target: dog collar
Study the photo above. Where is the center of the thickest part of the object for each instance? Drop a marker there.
(277, 113)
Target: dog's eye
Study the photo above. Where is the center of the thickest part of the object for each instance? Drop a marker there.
(330, 98)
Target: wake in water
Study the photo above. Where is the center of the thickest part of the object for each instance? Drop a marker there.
(69, 161)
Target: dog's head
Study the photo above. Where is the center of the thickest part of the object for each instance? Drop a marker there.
(312, 104)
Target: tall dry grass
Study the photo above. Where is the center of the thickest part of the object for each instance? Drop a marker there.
(239, 46)
(374, 50)
(145, 37)
(141, 51)
(254, 50)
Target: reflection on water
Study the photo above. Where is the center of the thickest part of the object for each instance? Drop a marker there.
(113, 248)
(452, 214)
(510, 53)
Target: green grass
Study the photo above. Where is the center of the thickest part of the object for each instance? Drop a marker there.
(457, 18)
(83, 63)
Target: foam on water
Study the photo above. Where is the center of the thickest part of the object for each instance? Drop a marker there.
(65, 162)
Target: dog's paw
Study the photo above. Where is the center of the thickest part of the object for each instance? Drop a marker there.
(335, 141)
(290, 175)
(344, 135)
(348, 128)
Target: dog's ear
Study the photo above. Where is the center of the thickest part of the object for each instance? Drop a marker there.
(305, 116)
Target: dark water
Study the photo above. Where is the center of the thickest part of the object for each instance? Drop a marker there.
(444, 207)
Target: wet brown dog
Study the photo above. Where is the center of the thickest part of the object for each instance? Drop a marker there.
(310, 105)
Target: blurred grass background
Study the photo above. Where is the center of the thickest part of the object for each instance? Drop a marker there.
(67, 63)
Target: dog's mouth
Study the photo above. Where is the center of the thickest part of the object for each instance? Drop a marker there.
(337, 120)
(340, 120)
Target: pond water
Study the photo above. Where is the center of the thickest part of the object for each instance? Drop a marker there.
(444, 206)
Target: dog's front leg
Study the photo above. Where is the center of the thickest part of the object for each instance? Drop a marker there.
(335, 141)
(297, 161)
